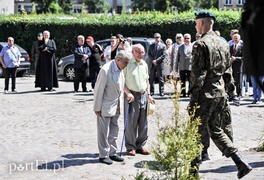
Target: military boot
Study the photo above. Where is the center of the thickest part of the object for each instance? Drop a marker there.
(205, 155)
(242, 167)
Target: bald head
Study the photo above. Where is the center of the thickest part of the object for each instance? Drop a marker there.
(236, 38)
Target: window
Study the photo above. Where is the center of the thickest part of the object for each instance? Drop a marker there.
(228, 2)
(77, 9)
(240, 2)
(119, 9)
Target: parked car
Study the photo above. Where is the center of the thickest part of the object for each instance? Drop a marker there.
(65, 65)
(24, 61)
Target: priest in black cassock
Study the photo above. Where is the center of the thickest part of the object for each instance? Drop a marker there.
(46, 72)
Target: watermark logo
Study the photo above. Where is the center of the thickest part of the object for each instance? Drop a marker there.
(37, 165)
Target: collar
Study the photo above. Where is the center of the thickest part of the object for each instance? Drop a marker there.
(115, 66)
(133, 60)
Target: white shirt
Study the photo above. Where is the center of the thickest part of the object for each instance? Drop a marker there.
(107, 52)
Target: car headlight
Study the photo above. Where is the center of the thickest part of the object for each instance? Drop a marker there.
(60, 62)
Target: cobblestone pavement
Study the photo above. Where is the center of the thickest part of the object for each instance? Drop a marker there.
(56, 132)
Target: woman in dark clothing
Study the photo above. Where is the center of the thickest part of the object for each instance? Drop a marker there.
(46, 72)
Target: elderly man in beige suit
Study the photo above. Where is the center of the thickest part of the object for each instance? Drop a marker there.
(107, 96)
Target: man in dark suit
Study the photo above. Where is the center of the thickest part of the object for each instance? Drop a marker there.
(94, 60)
(156, 55)
(81, 55)
(236, 51)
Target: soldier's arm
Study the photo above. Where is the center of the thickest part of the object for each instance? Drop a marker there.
(199, 69)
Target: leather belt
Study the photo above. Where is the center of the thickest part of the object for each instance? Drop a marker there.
(137, 93)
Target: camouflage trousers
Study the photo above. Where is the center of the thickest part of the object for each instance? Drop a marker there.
(216, 123)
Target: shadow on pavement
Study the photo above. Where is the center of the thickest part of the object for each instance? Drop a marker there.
(72, 160)
(222, 169)
(231, 168)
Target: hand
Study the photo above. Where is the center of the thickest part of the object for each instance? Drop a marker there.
(85, 56)
(18, 64)
(45, 49)
(98, 113)
(233, 58)
(4, 66)
(154, 62)
(130, 98)
(151, 99)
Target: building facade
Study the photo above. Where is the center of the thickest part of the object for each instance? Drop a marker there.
(7, 7)
(231, 4)
(14, 6)
(18, 5)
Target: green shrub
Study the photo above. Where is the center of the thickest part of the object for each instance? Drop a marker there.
(178, 144)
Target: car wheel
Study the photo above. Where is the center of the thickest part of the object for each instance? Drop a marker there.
(69, 73)
(21, 73)
(2, 72)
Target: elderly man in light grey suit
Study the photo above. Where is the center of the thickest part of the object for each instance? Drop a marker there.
(183, 62)
(107, 97)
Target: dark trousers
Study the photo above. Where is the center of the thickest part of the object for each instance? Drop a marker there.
(237, 75)
(80, 76)
(93, 71)
(156, 69)
(185, 76)
(10, 72)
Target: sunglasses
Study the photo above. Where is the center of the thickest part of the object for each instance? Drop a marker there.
(186, 38)
(178, 37)
(156, 37)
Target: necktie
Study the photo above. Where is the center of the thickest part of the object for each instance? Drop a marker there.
(156, 49)
(156, 46)
(234, 50)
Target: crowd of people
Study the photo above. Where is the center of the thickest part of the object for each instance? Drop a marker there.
(212, 67)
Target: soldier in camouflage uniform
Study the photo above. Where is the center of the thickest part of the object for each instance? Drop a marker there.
(211, 60)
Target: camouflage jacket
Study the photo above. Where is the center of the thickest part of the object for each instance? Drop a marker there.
(35, 51)
(210, 65)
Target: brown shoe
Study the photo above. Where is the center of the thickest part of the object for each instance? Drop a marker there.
(131, 152)
(143, 151)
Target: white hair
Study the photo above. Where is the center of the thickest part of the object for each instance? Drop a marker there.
(80, 37)
(168, 40)
(122, 55)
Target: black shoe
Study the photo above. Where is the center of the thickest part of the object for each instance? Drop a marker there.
(161, 94)
(242, 167)
(43, 89)
(117, 158)
(107, 161)
(50, 89)
(205, 157)
(152, 93)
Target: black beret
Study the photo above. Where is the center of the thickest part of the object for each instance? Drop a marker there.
(204, 14)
